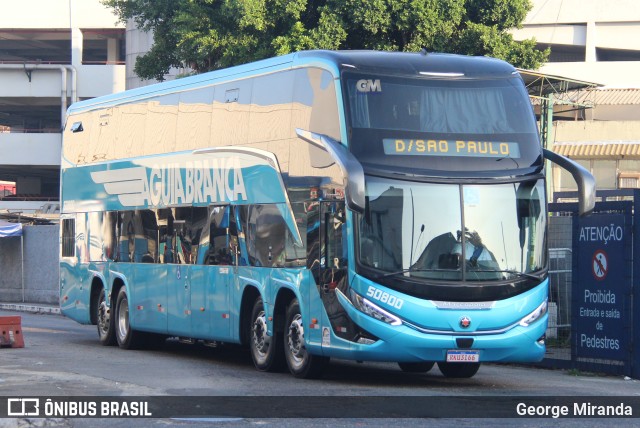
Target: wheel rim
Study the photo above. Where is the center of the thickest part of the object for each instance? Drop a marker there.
(259, 335)
(123, 319)
(295, 341)
(103, 316)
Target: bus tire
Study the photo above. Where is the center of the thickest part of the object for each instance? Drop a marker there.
(301, 363)
(266, 351)
(416, 367)
(105, 321)
(458, 370)
(127, 337)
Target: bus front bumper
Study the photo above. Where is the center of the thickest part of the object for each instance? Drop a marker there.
(403, 343)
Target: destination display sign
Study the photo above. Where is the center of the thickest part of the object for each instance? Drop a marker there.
(417, 147)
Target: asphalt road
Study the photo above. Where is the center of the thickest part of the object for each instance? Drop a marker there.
(63, 358)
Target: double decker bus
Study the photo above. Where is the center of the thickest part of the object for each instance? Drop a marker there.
(359, 205)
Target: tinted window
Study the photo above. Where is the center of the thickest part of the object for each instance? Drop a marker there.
(68, 237)
(450, 125)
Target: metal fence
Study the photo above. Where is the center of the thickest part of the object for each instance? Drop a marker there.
(575, 322)
(560, 280)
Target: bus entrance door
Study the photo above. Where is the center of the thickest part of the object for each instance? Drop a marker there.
(178, 281)
(213, 276)
(332, 271)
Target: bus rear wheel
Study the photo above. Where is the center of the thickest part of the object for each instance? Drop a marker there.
(301, 363)
(127, 337)
(458, 370)
(266, 351)
(105, 321)
(416, 367)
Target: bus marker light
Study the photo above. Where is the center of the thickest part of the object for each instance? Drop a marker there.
(225, 316)
(201, 309)
(140, 307)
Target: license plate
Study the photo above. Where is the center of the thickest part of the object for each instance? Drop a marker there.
(463, 356)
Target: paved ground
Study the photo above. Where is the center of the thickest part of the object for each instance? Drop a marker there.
(63, 358)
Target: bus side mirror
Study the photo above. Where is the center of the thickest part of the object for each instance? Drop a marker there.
(351, 169)
(586, 182)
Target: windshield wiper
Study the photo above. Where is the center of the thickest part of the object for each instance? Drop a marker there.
(414, 270)
(512, 272)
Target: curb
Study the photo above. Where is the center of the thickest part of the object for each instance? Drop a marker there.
(32, 308)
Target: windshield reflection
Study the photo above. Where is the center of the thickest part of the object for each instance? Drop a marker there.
(452, 232)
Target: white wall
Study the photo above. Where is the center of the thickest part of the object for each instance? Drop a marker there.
(15, 82)
(96, 80)
(92, 81)
(571, 11)
(43, 14)
(30, 149)
(610, 74)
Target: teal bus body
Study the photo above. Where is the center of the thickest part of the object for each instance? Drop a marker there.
(315, 205)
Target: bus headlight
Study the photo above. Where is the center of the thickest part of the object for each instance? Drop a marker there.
(535, 315)
(373, 310)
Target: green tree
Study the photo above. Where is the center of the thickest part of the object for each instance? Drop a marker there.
(211, 34)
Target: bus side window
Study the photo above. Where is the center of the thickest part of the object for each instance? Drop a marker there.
(127, 237)
(199, 239)
(265, 236)
(109, 233)
(165, 232)
(148, 251)
(218, 232)
(243, 251)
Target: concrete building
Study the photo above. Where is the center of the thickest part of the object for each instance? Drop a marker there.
(138, 43)
(594, 41)
(52, 53)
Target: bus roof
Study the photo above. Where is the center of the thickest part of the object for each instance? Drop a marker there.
(429, 64)
(414, 63)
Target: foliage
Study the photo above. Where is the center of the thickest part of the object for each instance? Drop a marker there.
(210, 34)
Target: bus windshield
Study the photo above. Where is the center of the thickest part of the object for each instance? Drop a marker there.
(441, 124)
(452, 232)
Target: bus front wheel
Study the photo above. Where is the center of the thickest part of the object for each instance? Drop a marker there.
(105, 321)
(458, 370)
(127, 338)
(301, 363)
(266, 351)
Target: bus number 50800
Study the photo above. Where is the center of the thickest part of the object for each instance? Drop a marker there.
(384, 297)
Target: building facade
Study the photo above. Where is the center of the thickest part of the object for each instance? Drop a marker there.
(52, 53)
(594, 41)
(591, 40)
(139, 42)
